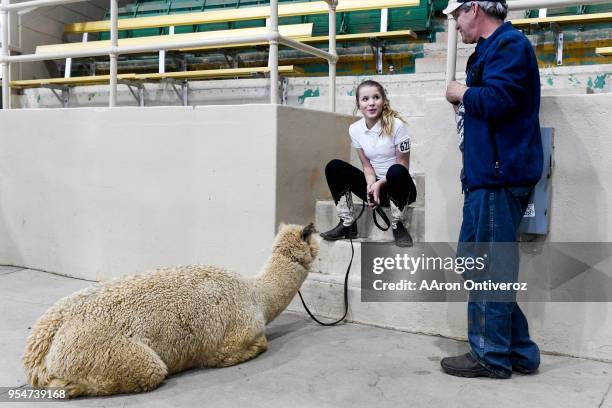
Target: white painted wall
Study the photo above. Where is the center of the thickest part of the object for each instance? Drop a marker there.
(582, 199)
(581, 211)
(307, 141)
(98, 193)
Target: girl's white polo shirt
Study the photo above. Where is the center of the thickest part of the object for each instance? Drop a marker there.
(380, 149)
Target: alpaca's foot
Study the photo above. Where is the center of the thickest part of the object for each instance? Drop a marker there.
(248, 352)
(72, 390)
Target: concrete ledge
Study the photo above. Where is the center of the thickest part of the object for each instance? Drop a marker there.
(549, 323)
(98, 193)
(326, 219)
(324, 293)
(437, 64)
(408, 105)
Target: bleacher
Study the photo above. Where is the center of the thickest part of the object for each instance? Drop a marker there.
(574, 33)
(374, 37)
(359, 22)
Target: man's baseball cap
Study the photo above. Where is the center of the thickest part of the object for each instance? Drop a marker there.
(455, 4)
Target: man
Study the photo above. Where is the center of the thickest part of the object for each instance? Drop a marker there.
(502, 161)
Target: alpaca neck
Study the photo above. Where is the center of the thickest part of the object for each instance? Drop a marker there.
(277, 284)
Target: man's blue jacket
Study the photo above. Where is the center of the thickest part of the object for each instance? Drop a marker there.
(502, 142)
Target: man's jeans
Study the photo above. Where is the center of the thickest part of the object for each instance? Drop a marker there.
(497, 330)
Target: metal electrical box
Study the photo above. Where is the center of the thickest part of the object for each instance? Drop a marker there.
(536, 217)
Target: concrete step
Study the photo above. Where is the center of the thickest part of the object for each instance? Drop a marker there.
(323, 294)
(408, 105)
(326, 219)
(539, 38)
(437, 64)
(442, 39)
(306, 89)
(301, 90)
(334, 257)
(564, 91)
(440, 48)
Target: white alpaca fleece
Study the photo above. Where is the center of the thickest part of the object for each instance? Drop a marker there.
(128, 334)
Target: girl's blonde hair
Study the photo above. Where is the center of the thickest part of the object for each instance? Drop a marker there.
(388, 114)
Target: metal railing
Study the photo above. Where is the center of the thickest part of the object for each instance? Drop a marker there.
(451, 51)
(273, 38)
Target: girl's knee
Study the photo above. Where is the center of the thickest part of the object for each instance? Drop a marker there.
(334, 166)
(397, 171)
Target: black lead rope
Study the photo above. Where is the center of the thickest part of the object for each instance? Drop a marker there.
(384, 218)
(348, 269)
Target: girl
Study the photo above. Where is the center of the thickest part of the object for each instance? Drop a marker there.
(383, 147)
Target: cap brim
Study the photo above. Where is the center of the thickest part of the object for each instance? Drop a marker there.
(452, 6)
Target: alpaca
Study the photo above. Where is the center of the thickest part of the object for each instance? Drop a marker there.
(128, 334)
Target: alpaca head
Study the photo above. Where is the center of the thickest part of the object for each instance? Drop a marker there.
(297, 243)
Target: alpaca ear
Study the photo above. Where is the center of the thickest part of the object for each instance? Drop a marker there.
(307, 231)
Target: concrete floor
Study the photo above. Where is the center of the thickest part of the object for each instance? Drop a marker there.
(307, 365)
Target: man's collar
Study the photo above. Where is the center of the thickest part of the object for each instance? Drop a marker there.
(483, 43)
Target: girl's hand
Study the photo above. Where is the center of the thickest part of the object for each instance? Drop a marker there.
(370, 193)
(374, 193)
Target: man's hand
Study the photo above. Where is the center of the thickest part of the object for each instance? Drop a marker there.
(455, 91)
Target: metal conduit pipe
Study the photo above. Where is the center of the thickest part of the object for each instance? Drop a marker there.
(332, 51)
(4, 29)
(114, 38)
(135, 49)
(273, 61)
(37, 3)
(308, 49)
(451, 57)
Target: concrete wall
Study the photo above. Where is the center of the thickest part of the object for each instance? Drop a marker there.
(581, 208)
(581, 201)
(152, 191)
(99, 193)
(307, 141)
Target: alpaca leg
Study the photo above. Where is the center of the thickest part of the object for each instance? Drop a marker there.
(245, 353)
(143, 369)
(105, 365)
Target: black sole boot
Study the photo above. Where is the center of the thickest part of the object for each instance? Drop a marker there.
(466, 366)
(402, 236)
(340, 231)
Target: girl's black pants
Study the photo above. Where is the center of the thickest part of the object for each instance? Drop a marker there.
(342, 177)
